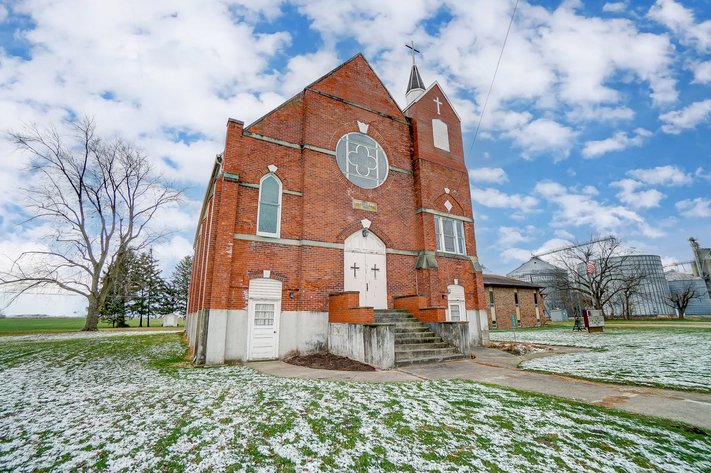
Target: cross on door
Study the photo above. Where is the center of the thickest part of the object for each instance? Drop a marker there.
(354, 268)
(375, 270)
(438, 103)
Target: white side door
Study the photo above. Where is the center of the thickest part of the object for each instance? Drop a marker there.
(264, 311)
(456, 310)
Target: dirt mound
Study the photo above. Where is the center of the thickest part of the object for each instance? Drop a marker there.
(519, 348)
(328, 361)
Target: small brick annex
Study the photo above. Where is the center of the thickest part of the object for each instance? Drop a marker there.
(302, 267)
(513, 303)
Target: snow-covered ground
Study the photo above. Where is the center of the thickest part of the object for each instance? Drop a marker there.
(114, 403)
(673, 358)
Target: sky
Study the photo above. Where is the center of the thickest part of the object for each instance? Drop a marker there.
(598, 121)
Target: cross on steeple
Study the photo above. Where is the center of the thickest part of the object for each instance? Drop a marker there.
(415, 86)
(412, 46)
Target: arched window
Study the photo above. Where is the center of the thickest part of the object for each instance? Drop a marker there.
(269, 210)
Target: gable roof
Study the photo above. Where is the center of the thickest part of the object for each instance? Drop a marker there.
(435, 83)
(496, 280)
(315, 83)
(350, 62)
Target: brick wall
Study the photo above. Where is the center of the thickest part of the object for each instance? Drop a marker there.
(504, 301)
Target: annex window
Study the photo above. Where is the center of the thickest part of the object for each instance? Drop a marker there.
(516, 296)
(450, 235)
(491, 297)
(269, 210)
(362, 160)
(535, 298)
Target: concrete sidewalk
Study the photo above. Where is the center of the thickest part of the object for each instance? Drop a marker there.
(500, 368)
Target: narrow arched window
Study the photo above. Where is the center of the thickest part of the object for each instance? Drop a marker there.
(269, 210)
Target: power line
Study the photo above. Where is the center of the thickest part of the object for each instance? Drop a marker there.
(491, 86)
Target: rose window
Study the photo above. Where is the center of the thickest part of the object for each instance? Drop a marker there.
(362, 160)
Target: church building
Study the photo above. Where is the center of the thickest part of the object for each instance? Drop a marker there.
(340, 222)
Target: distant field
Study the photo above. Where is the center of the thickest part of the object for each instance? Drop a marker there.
(19, 326)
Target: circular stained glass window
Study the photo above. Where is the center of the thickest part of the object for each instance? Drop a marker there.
(362, 160)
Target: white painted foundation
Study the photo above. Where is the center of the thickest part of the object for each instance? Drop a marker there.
(228, 332)
(478, 327)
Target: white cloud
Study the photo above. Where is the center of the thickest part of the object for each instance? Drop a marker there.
(494, 175)
(599, 114)
(544, 136)
(509, 236)
(590, 190)
(681, 21)
(631, 194)
(564, 234)
(618, 142)
(490, 197)
(702, 174)
(686, 118)
(520, 254)
(515, 254)
(172, 251)
(661, 175)
(699, 207)
(576, 210)
(614, 7)
(702, 72)
(3, 13)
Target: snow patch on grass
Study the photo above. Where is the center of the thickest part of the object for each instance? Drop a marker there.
(116, 404)
(671, 358)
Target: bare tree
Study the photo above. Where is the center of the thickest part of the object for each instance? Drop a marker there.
(681, 296)
(630, 286)
(98, 197)
(595, 270)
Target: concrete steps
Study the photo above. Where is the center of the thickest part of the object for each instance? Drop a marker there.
(415, 342)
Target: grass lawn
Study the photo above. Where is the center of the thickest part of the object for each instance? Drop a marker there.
(125, 404)
(677, 358)
(27, 325)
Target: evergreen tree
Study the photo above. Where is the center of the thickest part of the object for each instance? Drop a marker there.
(147, 288)
(180, 284)
(119, 290)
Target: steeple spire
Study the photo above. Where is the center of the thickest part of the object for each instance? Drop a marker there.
(415, 86)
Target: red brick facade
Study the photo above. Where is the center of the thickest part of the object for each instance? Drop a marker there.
(317, 211)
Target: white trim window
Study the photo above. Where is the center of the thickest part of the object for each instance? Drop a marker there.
(269, 208)
(449, 234)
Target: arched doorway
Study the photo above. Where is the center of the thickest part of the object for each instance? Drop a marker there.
(364, 269)
(455, 303)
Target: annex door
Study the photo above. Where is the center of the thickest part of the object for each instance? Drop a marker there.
(455, 303)
(264, 310)
(364, 269)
